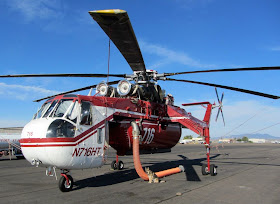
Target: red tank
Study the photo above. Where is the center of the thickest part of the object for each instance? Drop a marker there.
(155, 137)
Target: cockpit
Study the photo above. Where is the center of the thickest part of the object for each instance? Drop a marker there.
(64, 107)
(66, 113)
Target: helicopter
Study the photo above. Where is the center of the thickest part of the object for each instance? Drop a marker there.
(72, 131)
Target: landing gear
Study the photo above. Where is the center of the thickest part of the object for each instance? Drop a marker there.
(207, 168)
(117, 164)
(204, 169)
(65, 183)
(213, 170)
(114, 165)
(120, 165)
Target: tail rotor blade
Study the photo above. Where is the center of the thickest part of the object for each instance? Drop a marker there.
(223, 117)
(218, 114)
(222, 97)
(217, 95)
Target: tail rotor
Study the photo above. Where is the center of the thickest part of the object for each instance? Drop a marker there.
(220, 106)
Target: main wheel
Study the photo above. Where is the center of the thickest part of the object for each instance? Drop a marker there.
(204, 169)
(213, 170)
(120, 165)
(63, 185)
(114, 165)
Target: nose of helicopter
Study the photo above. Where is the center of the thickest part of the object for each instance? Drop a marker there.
(40, 141)
(32, 135)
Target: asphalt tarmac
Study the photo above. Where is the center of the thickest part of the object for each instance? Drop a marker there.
(247, 173)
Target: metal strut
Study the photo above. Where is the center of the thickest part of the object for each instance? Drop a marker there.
(207, 145)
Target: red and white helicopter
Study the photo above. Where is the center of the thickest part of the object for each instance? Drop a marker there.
(75, 131)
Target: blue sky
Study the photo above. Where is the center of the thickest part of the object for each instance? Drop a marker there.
(56, 36)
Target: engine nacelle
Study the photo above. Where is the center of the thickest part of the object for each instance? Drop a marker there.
(125, 88)
(104, 90)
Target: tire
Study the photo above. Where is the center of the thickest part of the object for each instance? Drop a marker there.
(213, 170)
(120, 165)
(62, 184)
(114, 165)
(204, 169)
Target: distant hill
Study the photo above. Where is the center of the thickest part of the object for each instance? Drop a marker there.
(257, 136)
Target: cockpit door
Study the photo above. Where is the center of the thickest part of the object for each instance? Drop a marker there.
(91, 124)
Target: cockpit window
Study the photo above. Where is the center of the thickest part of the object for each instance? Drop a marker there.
(50, 108)
(42, 110)
(61, 128)
(86, 118)
(73, 112)
(62, 107)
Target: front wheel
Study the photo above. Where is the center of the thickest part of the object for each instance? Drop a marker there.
(120, 165)
(204, 169)
(114, 165)
(213, 170)
(65, 186)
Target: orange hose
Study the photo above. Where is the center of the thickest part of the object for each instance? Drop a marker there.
(136, 159)
(168, 172)
(137, 162)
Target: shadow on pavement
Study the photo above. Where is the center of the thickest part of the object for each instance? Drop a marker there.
(116, 177)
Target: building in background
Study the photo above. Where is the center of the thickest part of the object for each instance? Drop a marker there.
(255, 140)
(9, 142)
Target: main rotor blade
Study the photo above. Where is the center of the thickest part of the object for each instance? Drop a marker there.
(228, 87)
(225, 70)
(76, 90)
(63, 75)
(116, 24)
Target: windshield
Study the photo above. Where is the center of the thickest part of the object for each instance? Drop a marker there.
(62, 107)
(68, 108)
(50, 108)
(42, 110)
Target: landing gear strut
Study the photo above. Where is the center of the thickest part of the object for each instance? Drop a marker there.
(65, 183)
(207, 168)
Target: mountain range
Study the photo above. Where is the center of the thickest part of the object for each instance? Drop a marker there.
(257, 136)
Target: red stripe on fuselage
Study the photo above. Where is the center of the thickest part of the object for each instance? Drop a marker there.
(60, 140)
(56, 145)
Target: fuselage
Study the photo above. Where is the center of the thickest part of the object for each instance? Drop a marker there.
(75, 131)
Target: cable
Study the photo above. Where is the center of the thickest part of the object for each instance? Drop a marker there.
(266, 128)
(248, 120)
(106, 114)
